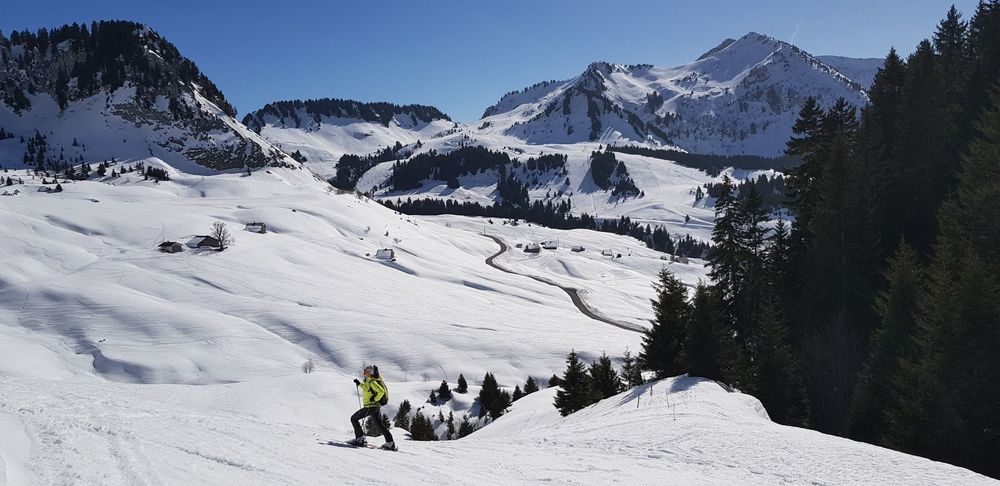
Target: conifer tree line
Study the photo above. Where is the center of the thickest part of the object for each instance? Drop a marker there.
(875, 314)
(492, 401)
(559, 216)
(894, 252)
(378, 112)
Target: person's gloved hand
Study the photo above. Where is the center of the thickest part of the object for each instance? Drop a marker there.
(356, 382)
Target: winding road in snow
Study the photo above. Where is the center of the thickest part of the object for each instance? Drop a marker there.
(574, 294)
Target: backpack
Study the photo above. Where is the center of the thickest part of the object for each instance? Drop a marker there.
(378, 377)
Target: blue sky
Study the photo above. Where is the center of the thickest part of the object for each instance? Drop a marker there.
(461, 56)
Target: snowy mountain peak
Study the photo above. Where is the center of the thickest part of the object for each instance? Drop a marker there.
(740, 97)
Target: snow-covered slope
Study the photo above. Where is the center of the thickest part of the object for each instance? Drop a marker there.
(272, 431)
(738, 98)
(324, 130)
(859, 70)
(668, 189)
(123, 92)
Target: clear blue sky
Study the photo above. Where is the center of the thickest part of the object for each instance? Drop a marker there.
(461, 56)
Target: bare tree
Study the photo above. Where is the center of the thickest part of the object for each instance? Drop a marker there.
(221, 233)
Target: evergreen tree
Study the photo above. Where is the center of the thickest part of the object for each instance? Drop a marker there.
(517, 393)
(631, 371)
(604, 379)
(928, 173)
(421, 428)
(780, 279)
(575, 391)
(661, 345)
(881, 122)
(530, 386)
(709, 350)
(807, 139)
(835, 316)
(444, 391)
(465, 427)
(492, 401)
(892, 342)
(463, 386)
(402, 418)
(554, 381)
(950, 401)
(451, 425)
(776, 382)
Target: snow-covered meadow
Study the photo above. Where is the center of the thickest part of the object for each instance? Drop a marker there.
(123, 365)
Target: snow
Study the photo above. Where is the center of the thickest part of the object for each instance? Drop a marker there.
(104, 132)
(123, 365)
(324, 142)
(741, 98)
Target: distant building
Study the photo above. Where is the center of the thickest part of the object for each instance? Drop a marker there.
(577, 248)
(204, 241)
(171, 247)
(532, 248)
(385, 254)
(256, 227)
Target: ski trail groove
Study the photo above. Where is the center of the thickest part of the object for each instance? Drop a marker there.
(573, 293)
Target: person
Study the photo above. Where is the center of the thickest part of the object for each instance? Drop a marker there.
(372, 391)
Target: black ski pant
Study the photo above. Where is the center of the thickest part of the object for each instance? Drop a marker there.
(376, 414)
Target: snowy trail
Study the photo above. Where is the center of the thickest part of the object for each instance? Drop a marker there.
(574, 294)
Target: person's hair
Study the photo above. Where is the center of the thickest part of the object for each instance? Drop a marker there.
(375, 372)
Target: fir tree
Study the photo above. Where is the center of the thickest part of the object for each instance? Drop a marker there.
(631, 371)
(517, 393)
(604, 379)
(421, 428)
(444, 391)
(492, 401)
(708, 350)
(892, 342)
(661, 345)
(530, 386)
(451, 425)
(575, 391)
(776, 382)
(950, 402)
(465, 427)
(463, 386)
(402, 418)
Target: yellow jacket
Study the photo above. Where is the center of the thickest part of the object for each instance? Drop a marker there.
(371, 392)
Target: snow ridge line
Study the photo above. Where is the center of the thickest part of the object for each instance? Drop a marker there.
(574, 294)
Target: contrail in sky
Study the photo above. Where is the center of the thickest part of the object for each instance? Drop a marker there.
(792, 40)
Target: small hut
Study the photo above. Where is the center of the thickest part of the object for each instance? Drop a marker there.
(577, 249)
(256, 227)
(171, 247)
(532, 248)
(385, 254)
(204, 241)
(550, 244)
